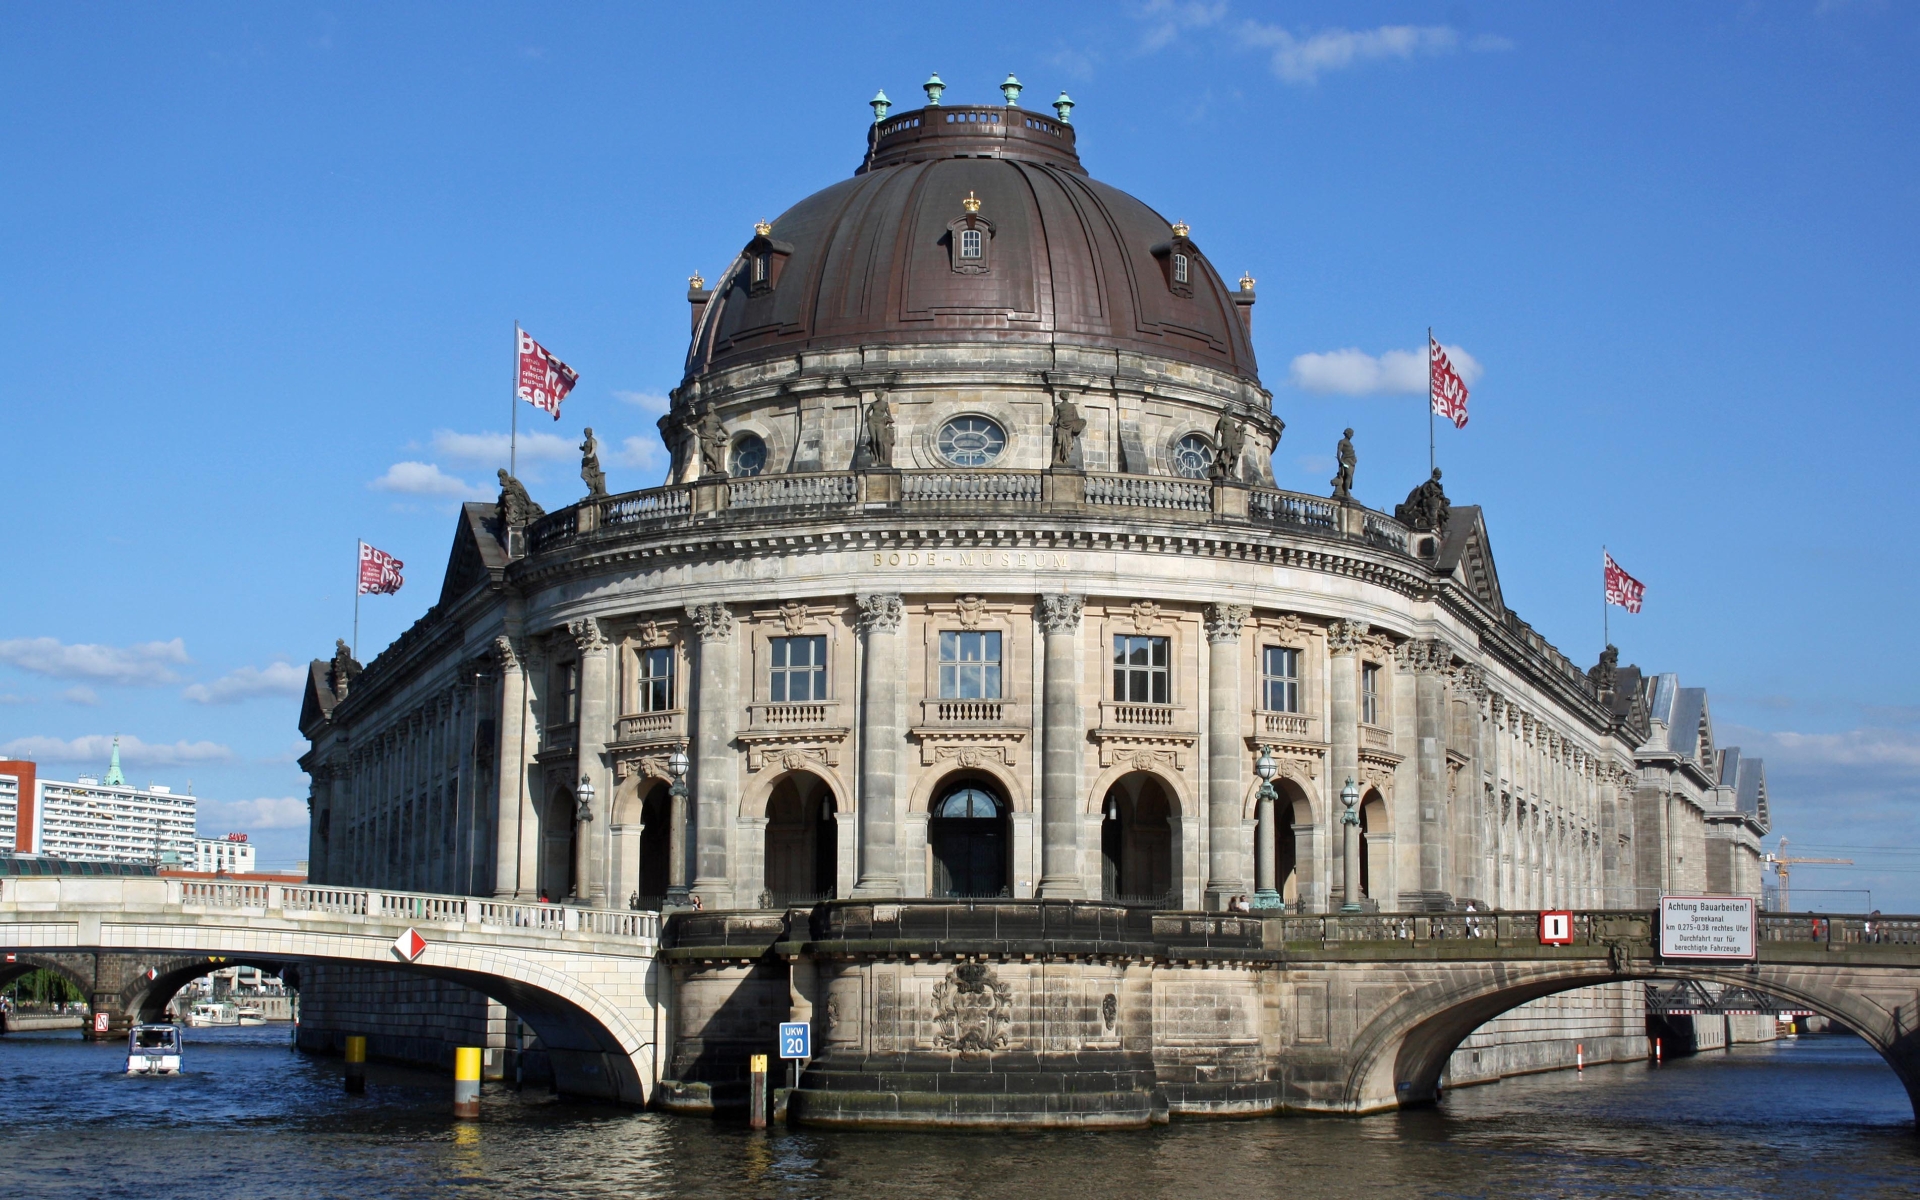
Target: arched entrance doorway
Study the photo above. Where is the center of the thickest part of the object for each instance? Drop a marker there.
(803, 841)
(1293, 817)
(1136, 843)
(1374, 843)
(558, 862)
(968, 833)
(656, 843)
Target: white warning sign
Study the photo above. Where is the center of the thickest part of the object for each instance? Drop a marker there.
(1707, 927)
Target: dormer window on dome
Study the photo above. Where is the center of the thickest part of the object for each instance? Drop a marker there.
(970, 238)
(1176, 257)
(766, 258)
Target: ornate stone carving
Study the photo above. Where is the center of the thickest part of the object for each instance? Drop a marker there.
(1471, 680)
(711, 621)
(1230, 441)
(877, 446)
(1426, 656)
(1109, 1010)
(504, 651)
(341, 671)
(647, 766)
(1060, 613)
(1347, 637)
(587, 634)
(794, 616)
(590, 472)
(516, 507)
(1426, 509)
(1605, 674)
(1068, 425)
(880, 612)
(1223, 621)
(1145, 614)
(969, 610)
(1287, 629)
(712, 439)
(652, 636)
(1344, 456)
(972, 1010)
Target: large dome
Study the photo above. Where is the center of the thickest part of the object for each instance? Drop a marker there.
(901, 254)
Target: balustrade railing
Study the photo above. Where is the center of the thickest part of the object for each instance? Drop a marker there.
(780, 716)
(1019, 487)
(1285, 724)
(1150, 491)
(637, 726)
(413, 908)
(553, 529)
(1383, 530)
(1290, 508)
(1376, 737)
(965, 711)
(782, 491)
(1156, 716)
(652, 504)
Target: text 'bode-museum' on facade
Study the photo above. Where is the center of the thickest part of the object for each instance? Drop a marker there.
(971, 580)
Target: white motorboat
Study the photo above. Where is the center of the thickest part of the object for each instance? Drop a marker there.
(249, 1015)
(153, 1050)
(212, 1013)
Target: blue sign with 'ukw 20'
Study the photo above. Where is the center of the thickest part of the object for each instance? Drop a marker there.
(796, 1039)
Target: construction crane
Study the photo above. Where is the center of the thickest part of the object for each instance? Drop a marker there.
(1780, 863)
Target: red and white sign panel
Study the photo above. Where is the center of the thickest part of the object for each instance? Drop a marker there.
(410, 945)
(379, 575)
(1707, 927)
(1622, 588)
(544, 380)
(101, 1022)
(1445, 388)
(1556, 929)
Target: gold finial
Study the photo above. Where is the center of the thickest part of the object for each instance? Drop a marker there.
(762, 228)
(696, 281)
(971, 204)
(1180, 229)
(1246, 281)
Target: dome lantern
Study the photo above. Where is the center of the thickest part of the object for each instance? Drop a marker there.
(1063, 108)
(934, 86)
(880, 105)
(1010, 88)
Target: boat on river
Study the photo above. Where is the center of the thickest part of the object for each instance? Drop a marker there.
(153, 1050)
(212, 1013)
(248, 1014)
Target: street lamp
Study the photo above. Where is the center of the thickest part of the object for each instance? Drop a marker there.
(1350, 820)
(1266, 894)
(677, 765)
(583, 798)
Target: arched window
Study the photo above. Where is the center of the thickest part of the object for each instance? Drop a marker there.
(970, 243)
(1180, 268)
(970, 441)
(1193, 456)
(749, 456)
(967, 833)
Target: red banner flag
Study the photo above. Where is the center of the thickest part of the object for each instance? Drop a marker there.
(1445, 389)
(379, 572)
(544, 380)
(1622, 588)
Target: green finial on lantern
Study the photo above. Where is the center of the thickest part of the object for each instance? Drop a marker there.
(934, 85)
(880, 105)
(1063, 107)
(1010, 88)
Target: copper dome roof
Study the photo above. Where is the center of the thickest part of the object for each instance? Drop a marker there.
(873, 260)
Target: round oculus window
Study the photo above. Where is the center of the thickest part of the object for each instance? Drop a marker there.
(749, 456)
(1193, 456)
(970, 441)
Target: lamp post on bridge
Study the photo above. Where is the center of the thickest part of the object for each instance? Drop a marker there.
(582, 815)
(1350, 829)
(677, 765)
(1266, 887)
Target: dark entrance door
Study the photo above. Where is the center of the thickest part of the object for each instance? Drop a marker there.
(968, 833)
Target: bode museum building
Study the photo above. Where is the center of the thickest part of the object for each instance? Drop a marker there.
(971, 583)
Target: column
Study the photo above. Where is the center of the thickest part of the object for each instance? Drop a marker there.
(1431, 660)
(1263, 832)
(715, 767)
(1062, 734)
(881, 674)
(510, 774)
(1344, 639)
(1226, 874)
(594, 845)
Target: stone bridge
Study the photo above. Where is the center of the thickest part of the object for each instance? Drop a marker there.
(583, 979)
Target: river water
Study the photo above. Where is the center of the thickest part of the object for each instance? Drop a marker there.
(1822, 1116)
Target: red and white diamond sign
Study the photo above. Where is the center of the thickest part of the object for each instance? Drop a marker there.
(410, 945)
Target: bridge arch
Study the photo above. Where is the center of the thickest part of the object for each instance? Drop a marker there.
(1398, 1056)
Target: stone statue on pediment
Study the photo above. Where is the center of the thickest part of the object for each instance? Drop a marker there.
(1427, 507)
(713, 444)
(590, 472)
(1068, 425)
(1230, 441)
(1345, 460)
(879, 433)
(516, 507)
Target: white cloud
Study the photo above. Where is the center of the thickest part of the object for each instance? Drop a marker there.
(146, 663)
(652, 402)
(494, 449)
(11, 698)
(426, 479)
(274, 679)
(1885, 749)
(1168, 19)
(80, 694)
(96, 747)
(644, 453)
(218, 817)
(1302, 59)
(1352, 372)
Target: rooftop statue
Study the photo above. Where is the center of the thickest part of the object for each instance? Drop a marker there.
(713, 444)
(1343, 474)
(1068, 425)
(1605, 674)
(1230, 435)
(590, 472)
(516, 507)
(343, 669)
(878, 444)
(1427, 508)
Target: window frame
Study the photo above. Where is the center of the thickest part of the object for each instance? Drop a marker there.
(1369, 693)
(953, 671)
(973, 244)
(940, 440)
(1175, 458)
(1150, 673)
(1288, 683)
(1182, 269)
(746, 440)
(648, 684)
(782, 671)
(566, 689)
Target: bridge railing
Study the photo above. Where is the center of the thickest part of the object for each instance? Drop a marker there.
(1822, 929)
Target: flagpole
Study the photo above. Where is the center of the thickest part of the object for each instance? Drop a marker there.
(1429, 399)
(356, 601)
(1606, 634)
(513, 402)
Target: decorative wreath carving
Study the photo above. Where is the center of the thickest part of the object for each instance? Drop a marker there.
(971, 1010)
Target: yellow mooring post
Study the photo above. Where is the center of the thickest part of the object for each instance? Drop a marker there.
(356, 1064)
(466, 1082)
(757, 1092)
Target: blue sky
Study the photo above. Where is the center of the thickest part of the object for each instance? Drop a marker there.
(260, 265)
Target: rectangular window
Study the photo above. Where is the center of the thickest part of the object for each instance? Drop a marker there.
(760, 264)
(969, 665)
(799, 669)
(1140, 670)
(969, 243)
(1280, 679)
(656, 679)
(567, 693)
(1370, 693)
(1179, 268)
